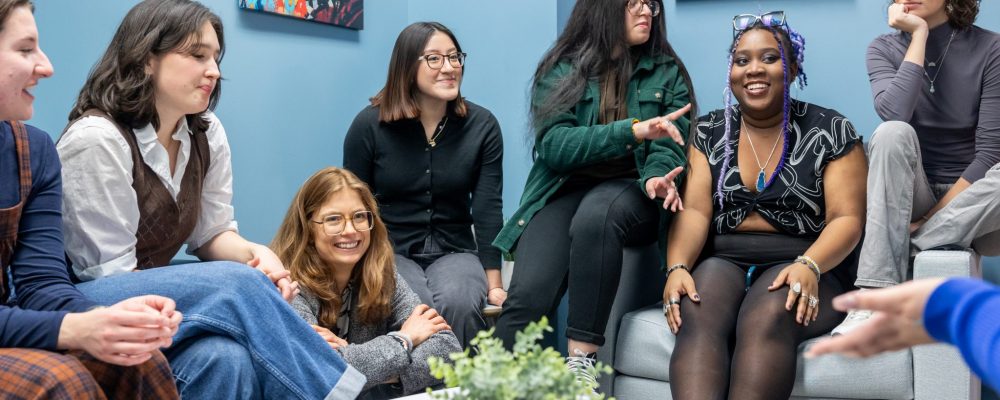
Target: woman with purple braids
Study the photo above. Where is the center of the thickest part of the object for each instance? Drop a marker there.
(774, 206)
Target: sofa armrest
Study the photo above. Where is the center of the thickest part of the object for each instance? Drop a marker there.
(938, 369)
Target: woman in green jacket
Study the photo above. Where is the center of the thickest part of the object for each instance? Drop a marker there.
(608, 111)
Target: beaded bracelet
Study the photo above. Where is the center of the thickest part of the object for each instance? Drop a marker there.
(677, 267)
(809, 262)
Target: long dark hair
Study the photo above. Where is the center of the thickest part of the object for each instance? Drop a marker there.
(397, 99)
(119, 85)
(593, 36)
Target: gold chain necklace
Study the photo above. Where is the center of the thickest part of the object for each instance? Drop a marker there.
(761, 176)
(433, 140)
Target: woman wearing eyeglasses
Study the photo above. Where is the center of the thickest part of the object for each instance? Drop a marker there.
(608, 111)
(435, 162)
(936, 161)
(335, 243)
(774, 205)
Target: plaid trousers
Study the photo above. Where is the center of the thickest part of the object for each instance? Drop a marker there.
(38, 374)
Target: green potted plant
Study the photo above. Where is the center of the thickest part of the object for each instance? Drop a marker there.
(529, 372)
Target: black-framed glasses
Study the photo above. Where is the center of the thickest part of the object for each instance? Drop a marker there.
(635, 7)
(334, 224)
(436, 61)
(772, 19)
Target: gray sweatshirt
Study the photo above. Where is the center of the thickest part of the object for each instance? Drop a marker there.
(959, 125)
(380, 357)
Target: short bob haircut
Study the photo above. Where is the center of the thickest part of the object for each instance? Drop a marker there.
(397, 100)
(119, 85)
(7, 6)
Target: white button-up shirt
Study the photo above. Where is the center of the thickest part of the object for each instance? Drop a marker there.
(100, 207)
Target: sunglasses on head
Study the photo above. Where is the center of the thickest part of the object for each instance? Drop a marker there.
(772, 19)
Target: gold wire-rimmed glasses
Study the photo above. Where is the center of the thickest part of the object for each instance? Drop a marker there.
(334, 224)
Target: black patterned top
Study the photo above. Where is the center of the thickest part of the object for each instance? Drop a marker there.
(793, 203)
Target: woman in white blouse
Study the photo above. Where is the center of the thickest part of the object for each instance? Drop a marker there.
(147, 169)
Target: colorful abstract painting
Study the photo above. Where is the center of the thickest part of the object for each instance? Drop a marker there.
(345, 13)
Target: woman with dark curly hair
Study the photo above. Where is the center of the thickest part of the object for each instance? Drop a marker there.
(935, 162)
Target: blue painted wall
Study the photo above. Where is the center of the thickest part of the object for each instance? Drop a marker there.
(292, 87)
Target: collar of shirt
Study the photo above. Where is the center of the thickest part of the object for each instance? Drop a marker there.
(156, 157)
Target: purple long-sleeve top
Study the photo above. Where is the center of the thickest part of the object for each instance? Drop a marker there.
(40, 279)
(959, 124)
(966, 313)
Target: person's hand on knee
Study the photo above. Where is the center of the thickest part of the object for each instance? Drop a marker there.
(126, 333)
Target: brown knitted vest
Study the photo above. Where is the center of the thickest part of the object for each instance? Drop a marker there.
(10, 218)
(164, 224)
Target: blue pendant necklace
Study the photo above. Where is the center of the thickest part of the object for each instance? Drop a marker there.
(761, 176)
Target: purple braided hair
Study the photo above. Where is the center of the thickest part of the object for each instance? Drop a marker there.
(728, 112)
(798, 50)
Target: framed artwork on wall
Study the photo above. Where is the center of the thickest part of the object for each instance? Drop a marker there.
(344, 13)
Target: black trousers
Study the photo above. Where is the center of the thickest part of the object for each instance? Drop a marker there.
(575, 243)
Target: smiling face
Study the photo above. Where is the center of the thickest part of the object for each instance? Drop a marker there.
(185, 80)
(341, 252)
(757, 76)
(438, 84)
(22, 64)
(638, 27)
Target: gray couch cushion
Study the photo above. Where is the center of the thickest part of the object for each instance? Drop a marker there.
(645, 345)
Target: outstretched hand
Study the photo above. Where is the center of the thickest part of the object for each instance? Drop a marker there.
(661, 127)
(896, 323)
(665, 188)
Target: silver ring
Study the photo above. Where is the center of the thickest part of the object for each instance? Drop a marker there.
(813, 301)
(666, 309)
(797, 288)
(674, 301)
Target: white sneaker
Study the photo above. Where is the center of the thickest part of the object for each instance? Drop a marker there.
(582, 365)
(854, 319)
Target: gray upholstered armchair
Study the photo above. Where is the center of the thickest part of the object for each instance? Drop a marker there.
(641, 345)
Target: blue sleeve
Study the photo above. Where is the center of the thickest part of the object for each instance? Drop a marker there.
(40, 278)
(966, 313)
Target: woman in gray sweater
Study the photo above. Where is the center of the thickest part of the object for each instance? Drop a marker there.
(336, 245)
(934, 168)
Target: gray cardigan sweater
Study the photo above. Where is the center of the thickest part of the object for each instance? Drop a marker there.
(378, 356)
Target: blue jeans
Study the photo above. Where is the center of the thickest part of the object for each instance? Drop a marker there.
(278, 352)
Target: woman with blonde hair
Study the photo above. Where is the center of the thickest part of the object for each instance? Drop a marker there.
(337, 247)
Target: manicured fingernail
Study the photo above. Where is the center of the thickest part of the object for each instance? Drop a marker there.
(696, 297)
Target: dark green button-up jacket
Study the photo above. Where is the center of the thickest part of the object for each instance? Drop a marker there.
(575, 138)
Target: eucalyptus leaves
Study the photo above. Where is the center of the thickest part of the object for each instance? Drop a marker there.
(529, 372)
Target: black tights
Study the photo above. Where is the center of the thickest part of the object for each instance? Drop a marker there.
(741, 344)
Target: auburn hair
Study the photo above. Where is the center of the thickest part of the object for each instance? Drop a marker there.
(374, 276)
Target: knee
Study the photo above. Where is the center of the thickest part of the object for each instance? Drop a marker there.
(894, 136)
(213, 355)
(767, 319)
(240, 277)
